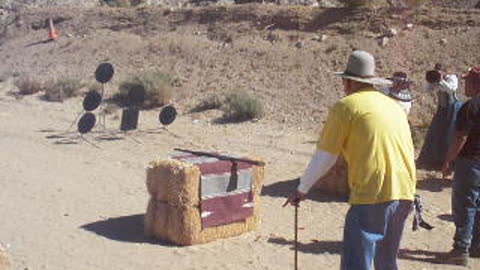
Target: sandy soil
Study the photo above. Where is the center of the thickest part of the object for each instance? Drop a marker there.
(67, 204)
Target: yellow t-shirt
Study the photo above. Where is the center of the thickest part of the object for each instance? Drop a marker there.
(372, 133)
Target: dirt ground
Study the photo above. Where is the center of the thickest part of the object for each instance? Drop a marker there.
(67, 204)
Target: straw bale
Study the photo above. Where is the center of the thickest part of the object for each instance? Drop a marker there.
(173, 212)
(174, 181)
(4, 263)
(149, 218)
(336, 180)
(182, 225)
(258, 176)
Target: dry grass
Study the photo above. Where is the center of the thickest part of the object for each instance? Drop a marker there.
(59, 90)
(28, 85)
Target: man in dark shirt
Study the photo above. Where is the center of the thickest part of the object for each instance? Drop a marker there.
(465, 151)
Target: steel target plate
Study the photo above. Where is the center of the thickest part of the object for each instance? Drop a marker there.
(104, 72)
(86, 123)
(167, 115)
(129, 119)
(92, 100)
(136, 96)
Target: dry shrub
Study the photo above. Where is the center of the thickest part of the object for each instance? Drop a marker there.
(28, 86)
(242, 106)
(363, 3)
(124, 3)
(210, 102)
(59, 90)
(157, 85)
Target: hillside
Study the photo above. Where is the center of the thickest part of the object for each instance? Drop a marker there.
(71, 202)
(269, 50)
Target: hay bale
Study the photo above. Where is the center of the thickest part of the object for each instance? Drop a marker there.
(4, 263)
(174, 181)
(335, 182)
(173, 216)
(182, 225)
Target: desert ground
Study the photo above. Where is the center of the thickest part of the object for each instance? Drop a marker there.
(70, 202)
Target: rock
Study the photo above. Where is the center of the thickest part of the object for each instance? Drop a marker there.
(384, 41)
(391, 32)
(320, 38)
(443, 41)
(409, 26)
(225, 2)
(273, 37)
(300, 44)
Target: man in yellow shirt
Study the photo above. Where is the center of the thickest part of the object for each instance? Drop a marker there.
(371, 131)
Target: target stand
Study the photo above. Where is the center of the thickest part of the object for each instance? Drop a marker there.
(94, 100)
(130, 114)
(103, 74)
(85, 125)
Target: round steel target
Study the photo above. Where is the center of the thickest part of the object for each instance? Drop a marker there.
(104, 73)
(86, 123)
(167, 115)
(136, 95)
(92, 100)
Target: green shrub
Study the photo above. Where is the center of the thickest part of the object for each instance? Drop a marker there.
(242, 106)
(28, 86)
(62, 89)
(211, 102)
(158, 89)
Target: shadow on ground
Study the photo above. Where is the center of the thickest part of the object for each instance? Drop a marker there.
(422, 255)
(434, 184)
(446, 217)
(284, 188)
(315, 247)
(123, 229)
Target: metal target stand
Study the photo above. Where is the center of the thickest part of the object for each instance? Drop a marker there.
(130, 114)
(86, 119)
(103, 74)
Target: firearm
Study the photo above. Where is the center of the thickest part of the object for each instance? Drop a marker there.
(221, 157)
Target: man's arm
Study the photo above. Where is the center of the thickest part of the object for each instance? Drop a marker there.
(457, 144)
(449, 83)
(319, 165)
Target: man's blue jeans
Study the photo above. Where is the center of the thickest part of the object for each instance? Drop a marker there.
(372, 235)
(466, 204)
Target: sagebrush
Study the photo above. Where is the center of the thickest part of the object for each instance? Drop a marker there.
(157, 85)
(242, 106)
(28, 85)
(59, 90)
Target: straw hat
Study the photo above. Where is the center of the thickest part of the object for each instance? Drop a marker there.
(361, 68)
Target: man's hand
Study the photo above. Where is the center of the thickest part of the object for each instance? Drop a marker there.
(447, 169)
(295, 198)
